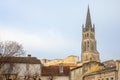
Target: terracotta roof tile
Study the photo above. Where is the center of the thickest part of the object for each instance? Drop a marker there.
(32, 60)
(55, 71)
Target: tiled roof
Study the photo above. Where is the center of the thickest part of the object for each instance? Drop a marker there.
(55, 71)
(76, 68)
(109, 66)
(109, 69)
(118, 60)
(67, 64)
(32, 60)
(109, 63)
(72, 56)
(70, 64)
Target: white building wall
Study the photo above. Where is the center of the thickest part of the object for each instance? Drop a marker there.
(76, 74)
(21, 69)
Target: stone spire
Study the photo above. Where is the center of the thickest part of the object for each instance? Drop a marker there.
(89, 48)
(88, 19)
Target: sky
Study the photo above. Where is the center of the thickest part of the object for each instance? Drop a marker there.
(51, 29)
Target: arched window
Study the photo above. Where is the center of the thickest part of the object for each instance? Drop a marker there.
(111, 78)
(107, 78)
(88, 44)
(87, 35)
(85, 46)
(90, 59)
(91, 46)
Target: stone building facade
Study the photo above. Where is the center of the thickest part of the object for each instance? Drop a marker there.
(118, 68)
(90, 67)
(55, 73)
(20, 68)
(76, 73)
(68, 61)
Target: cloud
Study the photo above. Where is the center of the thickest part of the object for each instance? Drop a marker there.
(46, 40)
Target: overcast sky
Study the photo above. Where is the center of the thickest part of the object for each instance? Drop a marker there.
(52, 28)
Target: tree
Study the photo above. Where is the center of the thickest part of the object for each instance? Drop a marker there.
(9, 49)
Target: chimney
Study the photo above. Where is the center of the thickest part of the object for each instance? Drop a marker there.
(29, 55)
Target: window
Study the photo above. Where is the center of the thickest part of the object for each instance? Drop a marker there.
(88, 45)
(111, 78)
(27, 67)
(85, 46)
(107, 78)
(61, 68)
(92, 35)
(87, 35)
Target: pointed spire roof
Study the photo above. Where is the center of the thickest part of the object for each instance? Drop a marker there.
(88, 19)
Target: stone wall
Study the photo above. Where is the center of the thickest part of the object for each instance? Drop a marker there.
(21, 70)
(118, 68)
(76, 73)
(55, 78)
(69, 59)
(102, 76)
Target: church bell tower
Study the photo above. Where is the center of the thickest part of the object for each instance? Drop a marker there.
(89, 49)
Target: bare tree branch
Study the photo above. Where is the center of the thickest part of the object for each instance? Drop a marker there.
(11, 48)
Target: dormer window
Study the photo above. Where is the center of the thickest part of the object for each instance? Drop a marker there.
(61, 68)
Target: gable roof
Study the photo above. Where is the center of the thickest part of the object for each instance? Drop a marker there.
(30, 60)
(109, 63)
(108, 69)
(55, 71)
(66, 64)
